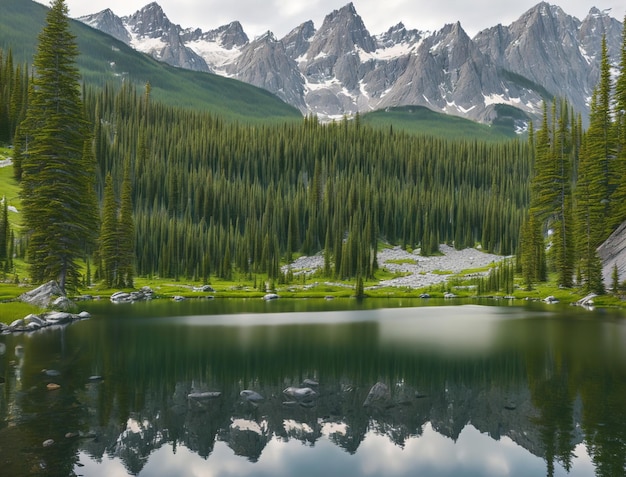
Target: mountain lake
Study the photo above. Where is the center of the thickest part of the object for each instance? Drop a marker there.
(376, 387)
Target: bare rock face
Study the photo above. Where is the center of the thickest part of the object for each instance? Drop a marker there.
(43, 296)
(109, 23)
(613, 253)
(341, 69)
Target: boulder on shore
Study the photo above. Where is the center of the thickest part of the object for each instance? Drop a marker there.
(44, 295)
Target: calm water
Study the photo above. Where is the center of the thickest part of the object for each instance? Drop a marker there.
(464, 391)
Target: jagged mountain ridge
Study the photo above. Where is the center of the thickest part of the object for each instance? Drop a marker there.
(341, 69)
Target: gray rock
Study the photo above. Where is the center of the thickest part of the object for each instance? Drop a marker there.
(58, 317)
(42, 296)
(63, 303)
(109, 23)
(34, 319)
(17, 323)
(613, 254)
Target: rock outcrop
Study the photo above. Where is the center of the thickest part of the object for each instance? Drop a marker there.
(43, 296)
(613, 254)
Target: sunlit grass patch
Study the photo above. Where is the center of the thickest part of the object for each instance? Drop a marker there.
(16, 310)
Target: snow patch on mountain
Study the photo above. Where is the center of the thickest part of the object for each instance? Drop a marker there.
(340, 69)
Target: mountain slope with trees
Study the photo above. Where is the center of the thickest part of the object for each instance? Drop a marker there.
(104, 60)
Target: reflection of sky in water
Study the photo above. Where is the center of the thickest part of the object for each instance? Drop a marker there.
(458, 329)
(473, 454)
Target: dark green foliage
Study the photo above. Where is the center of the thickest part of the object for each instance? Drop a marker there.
(421, 120)
(109, 239)
(57, 179)
(212, 197)
(500, 279)
(13, 95)
(106, 61)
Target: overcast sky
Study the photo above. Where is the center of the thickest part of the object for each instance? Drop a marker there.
(281, 16)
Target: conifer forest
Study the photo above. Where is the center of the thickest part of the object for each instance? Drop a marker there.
(185, 194)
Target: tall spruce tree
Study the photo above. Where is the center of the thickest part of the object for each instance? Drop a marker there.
(126, 232)
(57, 180)
(618, 198)
(109, 239)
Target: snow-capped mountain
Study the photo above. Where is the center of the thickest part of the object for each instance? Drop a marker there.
(340, 68)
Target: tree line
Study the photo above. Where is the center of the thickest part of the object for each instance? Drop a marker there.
(212, 197)
(578, 188)
(131, 187)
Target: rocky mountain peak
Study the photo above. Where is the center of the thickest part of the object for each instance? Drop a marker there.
(342, 32)
(150, 22)
(297, 40)
(227, 36)
(397, 35)
(341, 69)
(109, 23)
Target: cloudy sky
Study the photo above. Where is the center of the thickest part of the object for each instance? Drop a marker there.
(280, 16)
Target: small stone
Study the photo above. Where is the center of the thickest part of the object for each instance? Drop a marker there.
(53, 386)
(48, 443)
(71, 435)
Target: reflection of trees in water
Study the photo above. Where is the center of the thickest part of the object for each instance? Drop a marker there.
(547, 398)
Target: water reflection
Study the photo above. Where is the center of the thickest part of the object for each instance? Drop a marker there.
(428, 391)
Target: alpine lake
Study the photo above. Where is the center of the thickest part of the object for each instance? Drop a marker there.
(345, 387)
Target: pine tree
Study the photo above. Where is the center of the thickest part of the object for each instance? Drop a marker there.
(56, 179)
(109, 239)
(618, 198)
(126, 233)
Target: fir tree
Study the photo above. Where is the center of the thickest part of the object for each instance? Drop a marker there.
(109, 235)
(126, 233)
(56, 178)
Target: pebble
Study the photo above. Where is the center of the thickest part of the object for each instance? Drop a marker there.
(48, 443)
(52, 386)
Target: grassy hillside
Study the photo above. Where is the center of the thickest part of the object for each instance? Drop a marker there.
(106, 60)
(421, 120)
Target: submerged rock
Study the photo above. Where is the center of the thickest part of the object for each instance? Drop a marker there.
(300, 394)
(251, 396)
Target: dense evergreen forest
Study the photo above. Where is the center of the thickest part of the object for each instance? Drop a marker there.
(210, 197)
(186, 194)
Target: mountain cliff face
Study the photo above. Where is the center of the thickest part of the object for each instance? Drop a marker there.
(341, 69)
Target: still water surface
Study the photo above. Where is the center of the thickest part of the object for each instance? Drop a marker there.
(395, 389)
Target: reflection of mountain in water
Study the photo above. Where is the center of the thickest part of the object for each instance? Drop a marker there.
(337, 413)
(546, 386)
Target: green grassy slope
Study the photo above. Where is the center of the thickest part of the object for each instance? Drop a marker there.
(421, 120)
(106, 60)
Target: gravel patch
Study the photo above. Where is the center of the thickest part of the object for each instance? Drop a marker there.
(420, 271)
